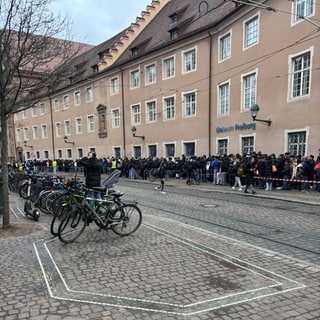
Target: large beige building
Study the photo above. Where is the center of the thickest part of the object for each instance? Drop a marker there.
(185, 75)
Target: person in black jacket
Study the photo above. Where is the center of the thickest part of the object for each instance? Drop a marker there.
(92, 170)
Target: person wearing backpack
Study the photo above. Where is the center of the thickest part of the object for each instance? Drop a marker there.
(238, 172)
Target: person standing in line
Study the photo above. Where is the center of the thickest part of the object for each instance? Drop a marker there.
(238, 172)
(162, 175)
(249, 168)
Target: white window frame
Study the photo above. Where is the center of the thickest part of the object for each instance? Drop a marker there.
(114, 85)
(77, 98)
(66, 101)
(44, 131)
(78, 124)
(223, 102)
(116, 118)
(308, 10)
(34, 111)
(225, 48)
(136, 113)
(150, 73)
(189, 107)
(35, 132)
(89, 94)
(58, 129)
(169, 110)
(244, 90)
(151, 114)
(135, 79)
(67, 127)
(251, 32)
(189, 60)
(56, 104)
(90, 123)
(168, 67)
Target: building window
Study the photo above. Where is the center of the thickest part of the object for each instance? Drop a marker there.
(189, 149)
(224, 95)
(303, 8)
(151, 111)
(249, 90)
(116, 118)
(89, 94)
(174, 34)
(114, 85)
(297, 143)
(151, 74)
(18, 134)
(136, 114)
(222, 147)
(42, 108)
(301, 75)
(46, 154)
(78, 125)
(58, 129)
(67, 128)
(152, 151)
(137, 151)
(225, 47)
(247, 145)
(134, 79)
(169, 108)
(66, 102)
(24, 114)
(117, 152)
(69, 154)
(59, 153)
(189, 60)
(35, 132)
(251, 32)
(44, 130)
(25, 133)
(189, 104)
(168, 68)
(90, 122)
(56, 105)
(34, 111)
(77, 98)
(170, 150)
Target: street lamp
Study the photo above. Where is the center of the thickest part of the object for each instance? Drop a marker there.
(25, 144)
(66, 140)
(254, 112)
(134, 130)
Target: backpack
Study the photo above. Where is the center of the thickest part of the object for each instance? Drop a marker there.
(240, 171)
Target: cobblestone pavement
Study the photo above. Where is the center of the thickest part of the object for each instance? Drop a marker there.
(168, 269)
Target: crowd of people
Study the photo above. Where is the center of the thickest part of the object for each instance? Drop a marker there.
(246, 172)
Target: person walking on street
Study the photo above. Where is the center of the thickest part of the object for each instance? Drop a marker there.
(162, 175)
(249, 168)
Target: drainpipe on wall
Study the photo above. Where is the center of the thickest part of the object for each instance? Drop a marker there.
(52, 128)
(123, 117)
(209, 96)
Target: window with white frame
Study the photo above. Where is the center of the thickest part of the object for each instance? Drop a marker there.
(303, 8)
(189, 103)
(18, 134)
(78, 125)
(66, 102)
(300, 83)
(222, 147)
(150, 74)
(90, 122)
(35, 132)
(189, 60)
(56, 105)
(134, 79)
(225, 47)
(44, 130)
(168, 68)
(58, 129)
(43, 108)
(170, 149)
(251, 32)
(24, 114)
(77, 98)
(169, 108)
(249, 90)
(114, 85)
(115, 118)
(247, 144)
(34, 111)
(67, 127)
(224, 96)
(89, 94)
(151, 111)
(297, 143)
(25, 133)
(136, 114)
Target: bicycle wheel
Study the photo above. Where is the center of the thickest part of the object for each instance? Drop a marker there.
(197, 179)
(23, 190)
(126, 220)
(56, 220)
(72, 225)
(152, 174)
(59, 202)
(41, 201)
(54, 194)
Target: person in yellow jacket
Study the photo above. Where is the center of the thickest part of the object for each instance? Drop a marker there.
(54, 166)
(113, 164)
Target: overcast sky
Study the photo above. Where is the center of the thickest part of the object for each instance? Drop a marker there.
(95, 21)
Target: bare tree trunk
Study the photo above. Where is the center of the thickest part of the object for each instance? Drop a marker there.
(5, 185)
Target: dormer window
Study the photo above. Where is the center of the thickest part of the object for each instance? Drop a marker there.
(95, 69)
(173, 18)
(174, 34)
(134, 52)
